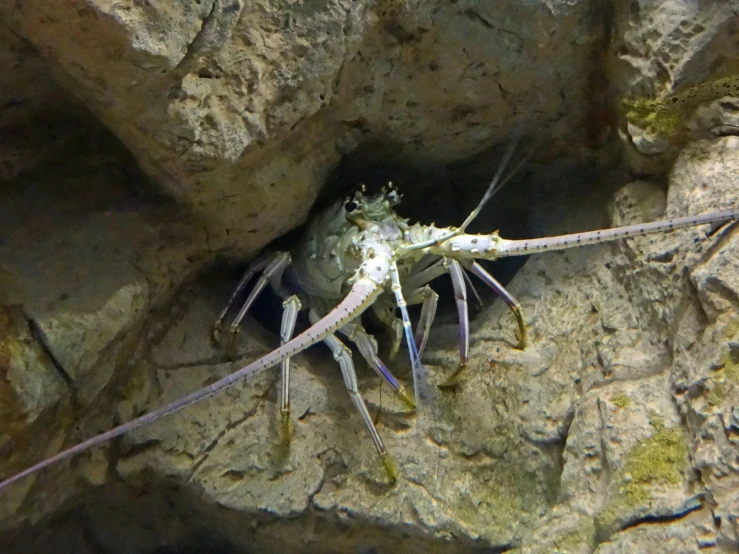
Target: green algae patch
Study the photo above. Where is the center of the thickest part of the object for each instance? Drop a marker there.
(653, 115)
(731, 367)
(660, 459)
(656, 421)
(725, 375)
(574, 540)
(505, 497)
(717, 394)
(621, 400)
(724, 379)
(731, 331)
(666, 114)
(730, 360)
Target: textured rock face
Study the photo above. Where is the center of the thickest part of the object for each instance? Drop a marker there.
(674, 64)
(240, 109)
(83, 262)
(615, 431)
(605, 422)
(85, 253)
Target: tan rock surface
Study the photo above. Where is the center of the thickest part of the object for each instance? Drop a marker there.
(614, 431)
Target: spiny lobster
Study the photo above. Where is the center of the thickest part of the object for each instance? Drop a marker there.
(360, 254)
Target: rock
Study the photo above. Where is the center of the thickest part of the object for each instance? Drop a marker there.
(35, 134)
(615, 430)
(665, 67)
(696, 533)
(240, 110)
(562, 530)
(576, 442)
(87, 259)
(230, 449)
(33, 394)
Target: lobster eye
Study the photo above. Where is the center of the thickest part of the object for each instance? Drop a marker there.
(351, 206)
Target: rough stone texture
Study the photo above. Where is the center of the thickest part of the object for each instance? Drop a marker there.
(83, 259)
(32, 397)
(663, 43)
(619, 412)
(240, 109)
(29, 139)
(615, 431)
(562, 530)
(231, 450)
(695, 533)
(669, 58)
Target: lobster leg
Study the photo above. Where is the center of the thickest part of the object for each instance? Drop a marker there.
(367, 346)
(512, 303)
(291, 307)
(343, 356)
(426, 261)
(255, 267)
(460, 294)
(427, 275)
(428, 313)
(471, 285)
(418, 369)
(272, 274)
(414, 295)
(384, 310)
(459, 280)
(460, 297)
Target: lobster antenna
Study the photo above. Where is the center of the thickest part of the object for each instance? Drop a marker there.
(495, 185)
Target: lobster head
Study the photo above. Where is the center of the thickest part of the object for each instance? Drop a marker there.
(377, 207)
